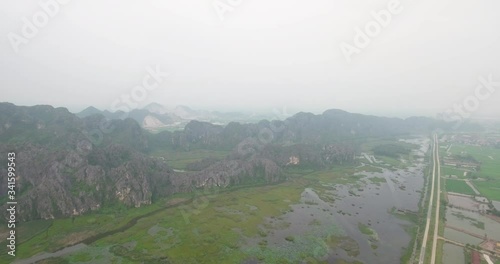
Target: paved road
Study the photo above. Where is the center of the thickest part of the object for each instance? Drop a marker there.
(487, 258)
(438, 200)
(452, 242)
(429, 209)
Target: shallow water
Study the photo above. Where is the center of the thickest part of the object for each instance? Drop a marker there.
(460, 237)
(490, 226)
(371, 205)
(453, 254)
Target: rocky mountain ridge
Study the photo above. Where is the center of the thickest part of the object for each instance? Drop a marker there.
(155, 117)
(64, 167)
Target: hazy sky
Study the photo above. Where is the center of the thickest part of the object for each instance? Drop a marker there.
(263, 55)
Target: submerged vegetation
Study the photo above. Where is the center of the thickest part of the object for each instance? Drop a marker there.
(391, 150)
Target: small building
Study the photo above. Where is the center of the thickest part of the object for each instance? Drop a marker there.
(476, 258)
(293, 160)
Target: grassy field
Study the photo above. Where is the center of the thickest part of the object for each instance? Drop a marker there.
(445, 171)
(490, 168)
(489, 158)
(490, 188)
(50, 235)
(179, 160)
(371, 143)
(208, 231)
(458, 186)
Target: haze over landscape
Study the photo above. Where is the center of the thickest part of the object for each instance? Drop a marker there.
(261, 56)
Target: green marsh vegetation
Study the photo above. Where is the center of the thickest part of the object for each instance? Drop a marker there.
(182, 159)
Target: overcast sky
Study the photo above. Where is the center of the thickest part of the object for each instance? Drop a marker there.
(254, 55)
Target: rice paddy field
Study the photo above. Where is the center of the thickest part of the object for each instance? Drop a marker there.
(458, 186)
(490, 168)
(451, 172)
